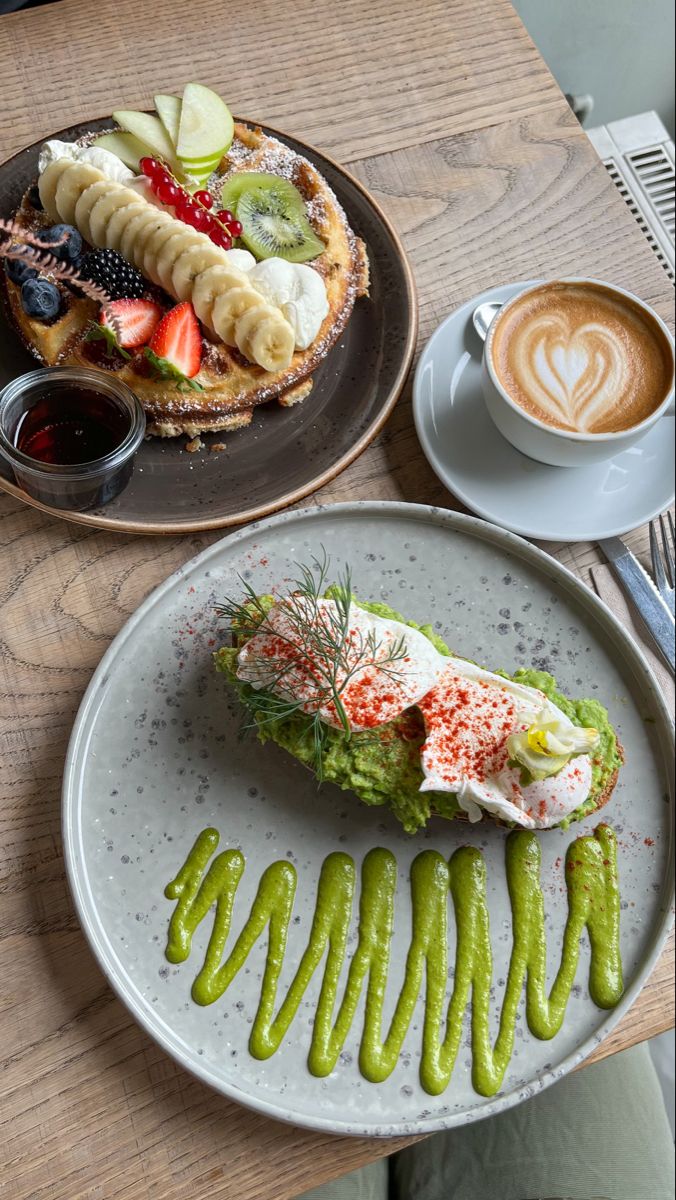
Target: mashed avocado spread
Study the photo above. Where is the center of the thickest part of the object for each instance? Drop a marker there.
(382, 765)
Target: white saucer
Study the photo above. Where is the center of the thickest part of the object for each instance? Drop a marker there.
(476, 464)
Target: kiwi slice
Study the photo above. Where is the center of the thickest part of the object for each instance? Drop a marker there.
(243, 181)
(272, 214)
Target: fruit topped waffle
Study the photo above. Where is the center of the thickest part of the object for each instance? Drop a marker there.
(206, 263)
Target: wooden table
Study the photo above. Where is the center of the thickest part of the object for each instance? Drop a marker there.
(446, 111)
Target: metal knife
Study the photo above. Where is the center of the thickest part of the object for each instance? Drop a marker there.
(646, 599)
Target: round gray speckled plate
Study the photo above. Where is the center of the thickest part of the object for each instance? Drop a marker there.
(155, 758)
(285, 453)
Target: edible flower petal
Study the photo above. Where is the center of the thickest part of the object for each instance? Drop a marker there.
(546, 746)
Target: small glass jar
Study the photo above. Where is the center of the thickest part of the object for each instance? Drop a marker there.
(70, 435)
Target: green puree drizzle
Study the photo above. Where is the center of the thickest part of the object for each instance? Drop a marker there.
(593, 902)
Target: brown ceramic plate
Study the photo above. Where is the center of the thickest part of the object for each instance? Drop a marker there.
(285, 453)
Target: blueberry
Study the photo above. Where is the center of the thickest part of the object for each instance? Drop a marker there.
(34, 198)
(19, 269)
(40, 299)
(69, 250)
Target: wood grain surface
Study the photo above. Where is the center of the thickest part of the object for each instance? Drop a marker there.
(446, 112)
(356, 78)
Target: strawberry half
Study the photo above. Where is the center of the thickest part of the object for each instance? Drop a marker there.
(135, 321)
(177, 343)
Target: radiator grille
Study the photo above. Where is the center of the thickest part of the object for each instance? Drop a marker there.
(621, 185)
(655, 170)
(639, 157)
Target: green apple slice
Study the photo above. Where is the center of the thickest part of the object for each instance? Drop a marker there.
(169, 110)
(149, 130)
(203, 162)
(199, 168)
(200, 171)
(194, 181)
(127, 148)
(206, 128)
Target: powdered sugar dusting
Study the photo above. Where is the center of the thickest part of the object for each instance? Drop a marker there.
(316, 211)
(274, 158)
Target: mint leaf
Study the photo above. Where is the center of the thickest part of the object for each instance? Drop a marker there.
(104, 333)
(166, 370)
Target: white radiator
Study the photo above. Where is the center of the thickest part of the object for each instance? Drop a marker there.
(639, 157)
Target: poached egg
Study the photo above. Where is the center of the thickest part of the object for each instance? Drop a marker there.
(381, 668)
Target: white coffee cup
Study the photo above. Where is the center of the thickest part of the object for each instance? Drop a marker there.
(547, 443)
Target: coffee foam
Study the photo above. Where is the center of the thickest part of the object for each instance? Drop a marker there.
(580, 357)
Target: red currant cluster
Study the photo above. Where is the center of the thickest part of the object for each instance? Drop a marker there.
(220, 226)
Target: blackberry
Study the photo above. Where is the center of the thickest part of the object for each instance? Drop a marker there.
(114, 274)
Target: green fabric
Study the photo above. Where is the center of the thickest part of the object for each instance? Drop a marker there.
(371, 1183)
(599, 1134)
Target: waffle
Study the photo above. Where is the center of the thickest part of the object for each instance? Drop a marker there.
(232, 386)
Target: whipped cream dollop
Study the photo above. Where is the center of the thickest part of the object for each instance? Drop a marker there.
(109, 164)
(471, 716)
(241, 259)
(298, 290)
(141, 184)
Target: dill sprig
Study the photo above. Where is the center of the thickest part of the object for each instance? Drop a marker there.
(318, 647)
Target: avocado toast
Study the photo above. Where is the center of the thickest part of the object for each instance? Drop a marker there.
(390, 762)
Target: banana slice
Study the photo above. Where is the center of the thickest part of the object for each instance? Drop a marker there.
(84, 206)
(152, 246)
(71, 185)
(211, 283)
(170, 251)
(144, 230)
(229, 307)
(133, 229)
(265, 337)
(47, 185)
(189, 265)
(103, 210)
(119, 221)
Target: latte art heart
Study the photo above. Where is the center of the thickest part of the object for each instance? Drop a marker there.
(581, 357)
(572, 375)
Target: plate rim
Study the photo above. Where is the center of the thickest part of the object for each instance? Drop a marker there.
(444, 475)
(74, 861)
(259, 512)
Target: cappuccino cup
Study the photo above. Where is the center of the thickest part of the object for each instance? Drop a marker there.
(576, 370)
